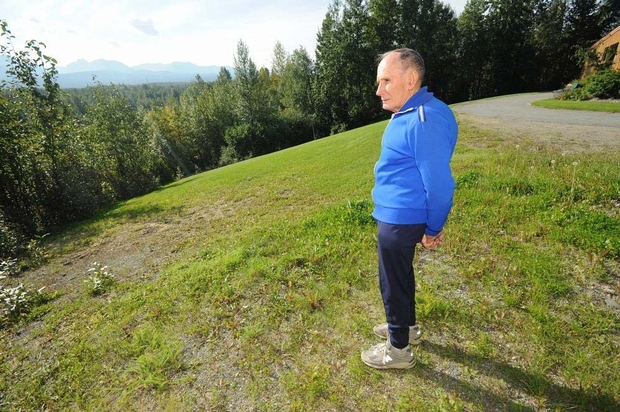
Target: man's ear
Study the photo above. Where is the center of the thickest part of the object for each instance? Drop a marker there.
(412, 79)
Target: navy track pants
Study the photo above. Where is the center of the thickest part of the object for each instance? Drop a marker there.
(396, 249)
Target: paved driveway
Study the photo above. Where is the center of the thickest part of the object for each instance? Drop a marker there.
(565, 130)
(516, 108)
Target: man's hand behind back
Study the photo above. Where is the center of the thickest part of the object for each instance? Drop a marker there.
(431, 242)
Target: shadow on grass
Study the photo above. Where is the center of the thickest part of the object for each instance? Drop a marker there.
(468, 392)
(533, 384)
(124, 212)
(178, 183)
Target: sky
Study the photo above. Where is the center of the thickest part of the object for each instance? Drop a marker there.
(134, 32)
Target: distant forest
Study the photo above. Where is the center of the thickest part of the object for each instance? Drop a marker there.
(66, 154)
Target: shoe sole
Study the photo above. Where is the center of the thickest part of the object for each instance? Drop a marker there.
(383, 367)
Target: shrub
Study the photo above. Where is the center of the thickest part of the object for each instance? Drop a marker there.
(579, 94)
(11, 238)
(604, 84)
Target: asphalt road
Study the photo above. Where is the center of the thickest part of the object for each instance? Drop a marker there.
(517, 109)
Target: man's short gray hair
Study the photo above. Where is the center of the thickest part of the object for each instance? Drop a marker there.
(410, 58)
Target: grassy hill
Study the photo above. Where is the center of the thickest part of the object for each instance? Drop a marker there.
(253, 287)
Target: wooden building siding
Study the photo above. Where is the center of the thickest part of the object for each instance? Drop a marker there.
(608, 50)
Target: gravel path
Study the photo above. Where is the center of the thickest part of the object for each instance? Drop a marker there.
(568, 130)
(517, 108)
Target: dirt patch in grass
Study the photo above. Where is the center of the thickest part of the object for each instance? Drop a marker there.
(135, 252)
(132, 253)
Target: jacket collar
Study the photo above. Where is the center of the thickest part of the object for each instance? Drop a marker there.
(418, 99)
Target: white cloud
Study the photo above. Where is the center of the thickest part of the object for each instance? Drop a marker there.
(145, 26)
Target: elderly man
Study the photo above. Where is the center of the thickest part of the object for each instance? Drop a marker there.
(412, 195)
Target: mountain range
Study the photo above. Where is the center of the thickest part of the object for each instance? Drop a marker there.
(82, 73)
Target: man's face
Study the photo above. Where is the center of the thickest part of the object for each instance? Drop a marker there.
(396, 85)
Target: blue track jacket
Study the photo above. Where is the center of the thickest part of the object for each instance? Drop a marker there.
(413, 180)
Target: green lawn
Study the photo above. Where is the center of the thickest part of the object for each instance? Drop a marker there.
(595, 106)
(269, 291)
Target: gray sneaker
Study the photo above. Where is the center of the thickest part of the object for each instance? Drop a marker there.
(415, 333)
(385, 356)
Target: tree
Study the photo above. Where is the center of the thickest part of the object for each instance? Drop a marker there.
(278, 66)
(345, 57)
(204, 128)
(222, 109)
(256, 108)
(496, 47)
(473, 57)
(585, 26)
(297, 99)
(610, 15)
(553, 54)
(246, 80)
(511, 26)
(172, 136)
(584, 23)
(280, 57)
(39, 150)
(430, 27)
(383, 24)
(124, 153)
(326, 90)
(296, 85)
